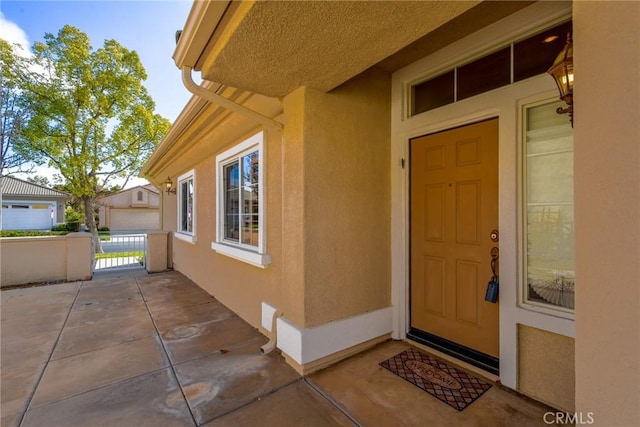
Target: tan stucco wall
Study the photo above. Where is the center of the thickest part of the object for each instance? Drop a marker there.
(293, 208)
(347, 199)
(156, 251)
(546, 367)
(607, 202)
(124, 200)
(327, 197)
(36, 259)
(128, 198)
(240, 286)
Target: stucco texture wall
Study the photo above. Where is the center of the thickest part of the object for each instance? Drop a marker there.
(67, 257)
(347, 199)
(240, 286)
(546, 367)
(607, 204)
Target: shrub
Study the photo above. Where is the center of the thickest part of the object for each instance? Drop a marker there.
(103, 229)
(73, 216)
(73, 226)
(25, 233)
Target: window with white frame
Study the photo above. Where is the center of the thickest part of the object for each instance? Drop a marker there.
(240, 228)
(187, 207)
(548, 223)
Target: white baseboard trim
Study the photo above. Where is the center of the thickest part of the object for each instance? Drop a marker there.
(310, 344)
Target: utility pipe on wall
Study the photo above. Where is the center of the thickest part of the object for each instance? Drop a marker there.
(224, 102)
(273, 341)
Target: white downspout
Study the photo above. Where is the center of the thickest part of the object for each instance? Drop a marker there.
(273, 341)
(224, 102)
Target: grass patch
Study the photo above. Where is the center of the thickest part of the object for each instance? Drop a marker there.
(105, 255)
(22, 233)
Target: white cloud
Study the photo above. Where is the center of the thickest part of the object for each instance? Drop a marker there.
(12, 33)
(50, 174)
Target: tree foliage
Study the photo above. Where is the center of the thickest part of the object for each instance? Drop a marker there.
(39, 180)
(91, 118)
(12, 111)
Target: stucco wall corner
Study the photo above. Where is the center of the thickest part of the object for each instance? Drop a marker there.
(607, 206)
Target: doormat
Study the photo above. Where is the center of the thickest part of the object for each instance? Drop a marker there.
(452, 386)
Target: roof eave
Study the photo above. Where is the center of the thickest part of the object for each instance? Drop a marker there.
(196, 34)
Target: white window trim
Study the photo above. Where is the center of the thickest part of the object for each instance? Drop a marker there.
(189, 237)
(249, 254)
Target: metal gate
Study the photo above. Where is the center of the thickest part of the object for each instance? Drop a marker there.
(120, 251)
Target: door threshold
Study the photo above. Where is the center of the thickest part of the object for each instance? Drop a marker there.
(473, 357)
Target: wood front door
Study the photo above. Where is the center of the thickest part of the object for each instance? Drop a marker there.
(454, 209)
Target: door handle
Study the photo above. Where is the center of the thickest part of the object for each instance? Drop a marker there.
(493, 285)
(495, 256)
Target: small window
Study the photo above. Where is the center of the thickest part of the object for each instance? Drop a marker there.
(139, 196)
(548, 211)
(484, 74)
(240, 230)
(433, 93)
(187, 207)
(535, 55)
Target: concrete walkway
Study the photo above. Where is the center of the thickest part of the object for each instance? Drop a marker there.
(131, 349)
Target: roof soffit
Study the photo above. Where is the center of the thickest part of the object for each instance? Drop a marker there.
(274, 47)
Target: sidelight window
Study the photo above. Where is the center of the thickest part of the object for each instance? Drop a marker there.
(548, 225)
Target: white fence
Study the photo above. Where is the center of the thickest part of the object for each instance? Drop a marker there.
(122, 251)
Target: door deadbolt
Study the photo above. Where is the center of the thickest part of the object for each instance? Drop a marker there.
(495, 236)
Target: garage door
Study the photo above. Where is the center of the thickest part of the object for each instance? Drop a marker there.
(135, 219)
(26, 219)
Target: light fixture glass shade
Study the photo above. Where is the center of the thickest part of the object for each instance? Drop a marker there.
(168, 184)
(562, 70)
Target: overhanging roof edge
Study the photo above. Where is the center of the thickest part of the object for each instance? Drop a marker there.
(195, 35)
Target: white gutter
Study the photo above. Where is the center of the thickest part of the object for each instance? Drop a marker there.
(224, 102)
(204, 16)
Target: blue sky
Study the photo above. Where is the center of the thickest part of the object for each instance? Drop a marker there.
(148, 27)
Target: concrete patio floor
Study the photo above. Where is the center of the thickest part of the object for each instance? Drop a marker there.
(131, 349)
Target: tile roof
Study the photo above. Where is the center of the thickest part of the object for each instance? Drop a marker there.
(10, 186)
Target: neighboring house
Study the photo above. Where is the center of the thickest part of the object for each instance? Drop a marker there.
(28, 206)
(136, 208)
(354, 167)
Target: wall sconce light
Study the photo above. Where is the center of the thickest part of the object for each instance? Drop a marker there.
(168, 184)
(562, 73)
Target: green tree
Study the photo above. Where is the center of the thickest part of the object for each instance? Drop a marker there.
(39, 180)
(91, 117)
(12, 112)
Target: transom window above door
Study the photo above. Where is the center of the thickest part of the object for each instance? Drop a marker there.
(509, 64)
(240, 224)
